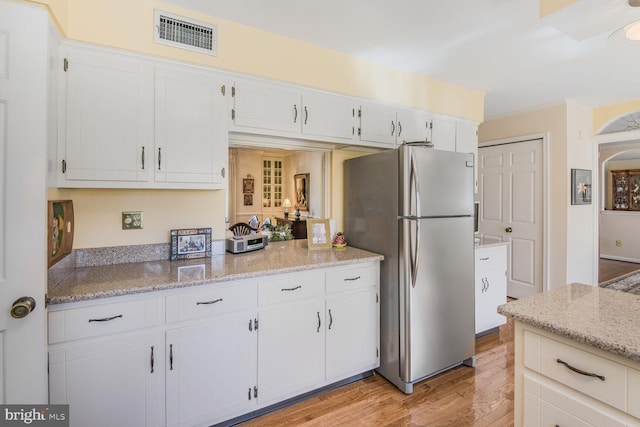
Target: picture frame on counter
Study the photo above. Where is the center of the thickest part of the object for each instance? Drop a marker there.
(190, 243)
(60, 230)
(318, 233)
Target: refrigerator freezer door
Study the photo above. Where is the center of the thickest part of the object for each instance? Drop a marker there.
(437, 309)
(437, 182)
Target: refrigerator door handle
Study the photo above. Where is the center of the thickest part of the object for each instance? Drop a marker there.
(414, 189)
(415, 250)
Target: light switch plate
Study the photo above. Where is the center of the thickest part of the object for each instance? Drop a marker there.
(132, 220)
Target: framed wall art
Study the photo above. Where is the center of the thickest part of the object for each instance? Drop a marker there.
(60, 230)
(247, 185)
(190, 243)
(581, 187)
(301, 186)
(318, 233)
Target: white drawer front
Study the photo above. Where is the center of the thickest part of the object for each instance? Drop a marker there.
(86, 322)
(546, 404)
(634, 392)
(290, 288)
(220, 300)
(611, 390)
(352, 278)
(491, 257)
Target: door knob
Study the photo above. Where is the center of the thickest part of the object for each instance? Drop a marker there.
(508, 229)
(22, 306)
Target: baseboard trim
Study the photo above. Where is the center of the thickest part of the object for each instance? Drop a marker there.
(620, 258)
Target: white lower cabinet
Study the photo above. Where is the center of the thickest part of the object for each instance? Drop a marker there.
(211, 370)
(198, 357)
(562, 382)
(490, 285)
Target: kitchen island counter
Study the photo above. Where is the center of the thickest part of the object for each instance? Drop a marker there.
(604, 318)
(104, 281)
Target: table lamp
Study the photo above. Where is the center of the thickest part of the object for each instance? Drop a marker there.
(286, 204)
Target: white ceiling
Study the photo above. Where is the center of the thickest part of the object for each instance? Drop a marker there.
(500, 47)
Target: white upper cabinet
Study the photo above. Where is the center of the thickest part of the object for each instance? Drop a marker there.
(413, 126)
(284, 110)
(131, 122)
(191, 127)
(467, 142)
(325, 115)
(378, 123)
(260, 107)
(443, 133)
(108, 131)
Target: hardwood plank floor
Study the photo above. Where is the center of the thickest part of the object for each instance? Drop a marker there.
(610, 269)
(462, 396)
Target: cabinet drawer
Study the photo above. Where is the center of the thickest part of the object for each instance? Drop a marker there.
(544, 359)
(634, 392)
(220, 300)
(353, 278)
(491, 257)
(86, 322)
(546, 404)
(290, 288)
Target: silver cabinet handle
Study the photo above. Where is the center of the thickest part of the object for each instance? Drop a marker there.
(106, 319)
(306, 114)
(484, 259)
(171, 357)
(319, 324)
(393, 128)
(580, 371)
(351, 279)
(295, 111)
(159, 157)
(152, 359)
(208, 302)
(143, 158)
(330, 319)
(291, 289)
(399, 128)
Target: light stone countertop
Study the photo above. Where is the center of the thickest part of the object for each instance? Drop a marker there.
(104, 281)
(604, 318)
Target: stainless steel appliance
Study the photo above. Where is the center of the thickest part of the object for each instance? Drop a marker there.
(414, 205)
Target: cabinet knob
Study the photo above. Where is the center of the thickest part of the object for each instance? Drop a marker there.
(508, 229)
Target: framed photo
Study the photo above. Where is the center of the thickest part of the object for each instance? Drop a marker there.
(59, 230)
(581, 187)
(301, 185)
(247, 185)
(190, 243)
(318, 233)
(248, 199)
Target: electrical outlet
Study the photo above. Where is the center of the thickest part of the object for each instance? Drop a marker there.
(132, 220)
(619, 243)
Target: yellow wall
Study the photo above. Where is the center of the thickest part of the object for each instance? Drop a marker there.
(547, 7)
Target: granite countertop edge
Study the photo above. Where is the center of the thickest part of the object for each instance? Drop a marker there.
(69, 287)
(585, 314)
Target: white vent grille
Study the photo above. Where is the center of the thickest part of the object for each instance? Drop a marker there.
(185, 33)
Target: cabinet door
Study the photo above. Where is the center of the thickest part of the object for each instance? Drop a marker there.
(109, 117)
(414, 126)
(290, 350)
(378, 123)
(260, 107)
(443, 134)
(352, 334)
(328, 116)
(191, 139)
(211, 370)
(112, 382)
(491, 291)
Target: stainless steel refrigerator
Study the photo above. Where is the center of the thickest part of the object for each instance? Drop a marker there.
(414, 205)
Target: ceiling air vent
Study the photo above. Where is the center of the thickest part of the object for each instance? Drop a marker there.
(185, 33)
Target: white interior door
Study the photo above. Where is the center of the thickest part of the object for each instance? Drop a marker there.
(511, 198)
(23, 98)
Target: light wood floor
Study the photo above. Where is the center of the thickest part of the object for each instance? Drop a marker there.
(610, 269)
(462, 396)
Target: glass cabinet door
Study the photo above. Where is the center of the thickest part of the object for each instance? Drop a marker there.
(620, 190)
(634, 190)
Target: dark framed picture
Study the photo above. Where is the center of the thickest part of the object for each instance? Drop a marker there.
(60, 230)
(190, 243)
(248, 199)
(247, 185)
(301, 186)
(581, 187)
